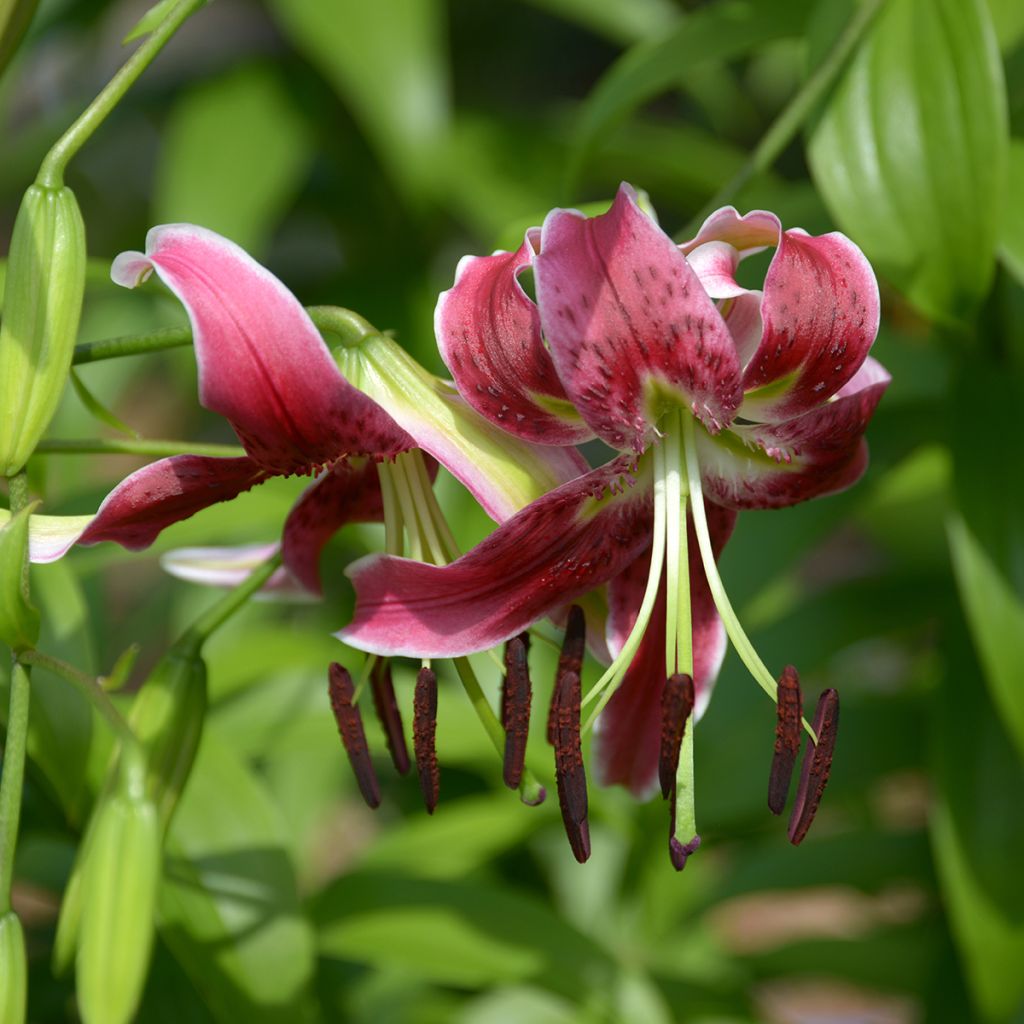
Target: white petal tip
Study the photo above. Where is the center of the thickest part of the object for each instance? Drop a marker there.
(130, 269)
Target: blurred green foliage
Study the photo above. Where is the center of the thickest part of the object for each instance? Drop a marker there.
(359, 149)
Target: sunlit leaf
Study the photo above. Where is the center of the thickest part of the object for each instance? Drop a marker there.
(910, 153)
(386, 62)
(234, 155)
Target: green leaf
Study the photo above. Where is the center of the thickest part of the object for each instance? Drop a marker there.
(15, 16)
(19, 620)
(910, 153)
(977, 837)
(229, 910)
(1008, 20)
(619, 22)
(150, 20)
(720, 31)
(98, 409)
(1011, 236)
(233, 156)
(386, 60)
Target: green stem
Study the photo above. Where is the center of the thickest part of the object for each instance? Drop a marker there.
(530, 790)
(12, 779)
(132, 344)
(51, 173)
(215, 617)
(158, 449)
(785, 127)
(86, 684)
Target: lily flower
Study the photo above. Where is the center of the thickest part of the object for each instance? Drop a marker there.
(265, 367)
(719, 398)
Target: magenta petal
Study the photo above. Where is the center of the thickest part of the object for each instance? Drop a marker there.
(628, 735)
(262, 363)
(558, 547)
(819, 452)
(821, 311)
(488, 331)
(625, 314)
(715, 264)
(165, 492)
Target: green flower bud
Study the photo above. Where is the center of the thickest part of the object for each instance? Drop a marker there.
(42, 303)
(167, 717)
(120, 881)
(13, 970)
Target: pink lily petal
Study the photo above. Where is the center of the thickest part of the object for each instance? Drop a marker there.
(557, 548)
(230, 566)
(628, 734)
(349, 492)
(625, 315)
(715, 265)
(165, 492)
(744, 322)
(820, 310)
(488, 331)
(262, 363)
(778, 464)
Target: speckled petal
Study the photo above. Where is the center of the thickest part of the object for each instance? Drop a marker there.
(262, 363)
(555, 549)
(488, 332)
(626, 317)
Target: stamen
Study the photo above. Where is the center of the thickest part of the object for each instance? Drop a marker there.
(815, 769)
(679, 852)
(574, 648)
(515, 709)
(570, 773)
(390, 717)
(350, 728)
(676, 707)
(424, 727)
(787, 738)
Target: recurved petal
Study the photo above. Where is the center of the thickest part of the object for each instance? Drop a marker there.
(554, 550)
(230, 566)
(772, 465)
(488, 332)
(165, 492)
(625, 317)
(628, 735)
(820, 312)
(715, 264)
(748, 234)
(262, 363)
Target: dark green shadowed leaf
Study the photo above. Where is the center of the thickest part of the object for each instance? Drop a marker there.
(910, 153)
(720, 31)
(234, 155)
(19, 620)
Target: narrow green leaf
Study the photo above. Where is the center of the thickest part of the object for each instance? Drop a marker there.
(149, 21)
(1011, 235)
(386, 60)
(98, 409)
(720, 31)
(233, 156)
(19, 620)
(910, 154)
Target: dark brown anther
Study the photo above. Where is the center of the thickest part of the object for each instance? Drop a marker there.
(787, 738)
(424, 726)
(676, 707)
(816, 766)
(678, 852)
(515, 710)
(574, 646)
(570, 773)
(350, 728)
(390, 717)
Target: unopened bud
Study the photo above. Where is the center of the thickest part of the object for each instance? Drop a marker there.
(13, 970)
(42, 302)
(120, 882)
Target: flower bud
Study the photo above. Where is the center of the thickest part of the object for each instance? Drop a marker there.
(13, 970)
(119, 888)
(167, 717)
(42, 302)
